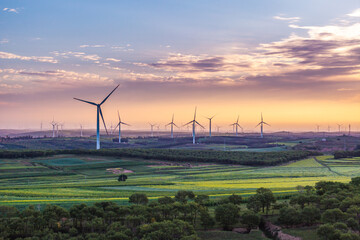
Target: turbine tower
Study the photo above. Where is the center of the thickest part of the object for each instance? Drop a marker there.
(236, 125)
(152, 129)
(172, 124)
(349, 129)
(119, 125)
(262, 126)
(53, 123)
(210, 118)
(194, 122)
(99, 112)
(81, 130)
(339, 126)
(317, 128)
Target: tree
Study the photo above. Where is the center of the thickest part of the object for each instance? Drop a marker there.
(165, 230)
(310, 215)
(250, 219)
(289, 216)
(122, 178)
(235, 199)
(138, 198)
(328, 232)
(166, 200)
(266, 198)
(332, 216)
(254, 203)
(205, 218)
(201, 199)
(227, 215)
(182, 196)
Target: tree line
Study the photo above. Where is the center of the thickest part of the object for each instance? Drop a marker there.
(178, 155)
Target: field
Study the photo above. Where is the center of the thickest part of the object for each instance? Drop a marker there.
(68, 179)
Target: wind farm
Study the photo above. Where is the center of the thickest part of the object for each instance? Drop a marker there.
(179, 120)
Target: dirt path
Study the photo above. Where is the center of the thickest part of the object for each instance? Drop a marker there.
(323, 164)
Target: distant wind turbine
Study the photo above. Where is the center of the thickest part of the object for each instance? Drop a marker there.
(210, 118)
(172, 124)
(81, 130)
(53, 123)
(317, 128)
(194, 122)
(339, 125)
(349, 129)
(119, 125)
(236, 125)
(99, 112)
(152, 128)
(262, 126)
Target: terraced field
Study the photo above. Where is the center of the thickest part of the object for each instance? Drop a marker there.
(68, 179)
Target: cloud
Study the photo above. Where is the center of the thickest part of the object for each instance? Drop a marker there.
(4, 40)
(288, 19)
(16, 79)
(81, 55)
(6, 55)
(355, 13)
(325, 55)
(10, 10)
(113, 60)
(92, 46)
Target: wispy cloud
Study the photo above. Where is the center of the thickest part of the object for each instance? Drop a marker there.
(92, 46)
(81, 55)
(355, 13)
(288, 19)
(4, 40)
(10, 10)
(113, 59)
(6, 55)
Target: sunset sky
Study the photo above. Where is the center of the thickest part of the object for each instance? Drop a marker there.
(297, 62)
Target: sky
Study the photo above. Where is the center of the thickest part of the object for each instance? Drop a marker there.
(297, 62)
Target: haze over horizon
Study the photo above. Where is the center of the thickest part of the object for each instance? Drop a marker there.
(296, 62)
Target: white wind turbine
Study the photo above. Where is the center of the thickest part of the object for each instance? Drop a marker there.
(194, 122)
(172, 124)
(236, 125)
(262, 126)
(119, 125)
(152, 128)
(53, 123)
(99, 112)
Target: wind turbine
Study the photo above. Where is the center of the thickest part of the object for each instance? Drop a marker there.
(349, 129)
(119, 125)
(236, 125)
(81, 130)
(152, 129)
(210, 118)
(194, 122)
(339, 125)
(172, 124)
(99, 112)
(53, 123)
(262, 126)
(318, 128)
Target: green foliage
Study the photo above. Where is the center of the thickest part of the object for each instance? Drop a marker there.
(166, 200)
(182, 196)
(250, 219)
(138, 198)
(227, 215)
(235, 199)
(289, 216)
(310, 215)
(332, 216)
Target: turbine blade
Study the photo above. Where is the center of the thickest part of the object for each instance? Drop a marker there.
(85, 101)
(109, 94)
(258, 124)
(125, 124)
(188, 123)
(168, 124)
(266, 123)
(116, 126)
(200, 124)
(175, 125)
(119, 116)
(195, 114)
(172, 118)
(102, 117)
(237, 119)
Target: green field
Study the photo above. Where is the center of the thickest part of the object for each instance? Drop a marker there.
(68, 179)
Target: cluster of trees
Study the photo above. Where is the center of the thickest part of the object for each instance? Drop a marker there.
(346, 154)
(334, 205)
(166, 218)
(231, 157)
